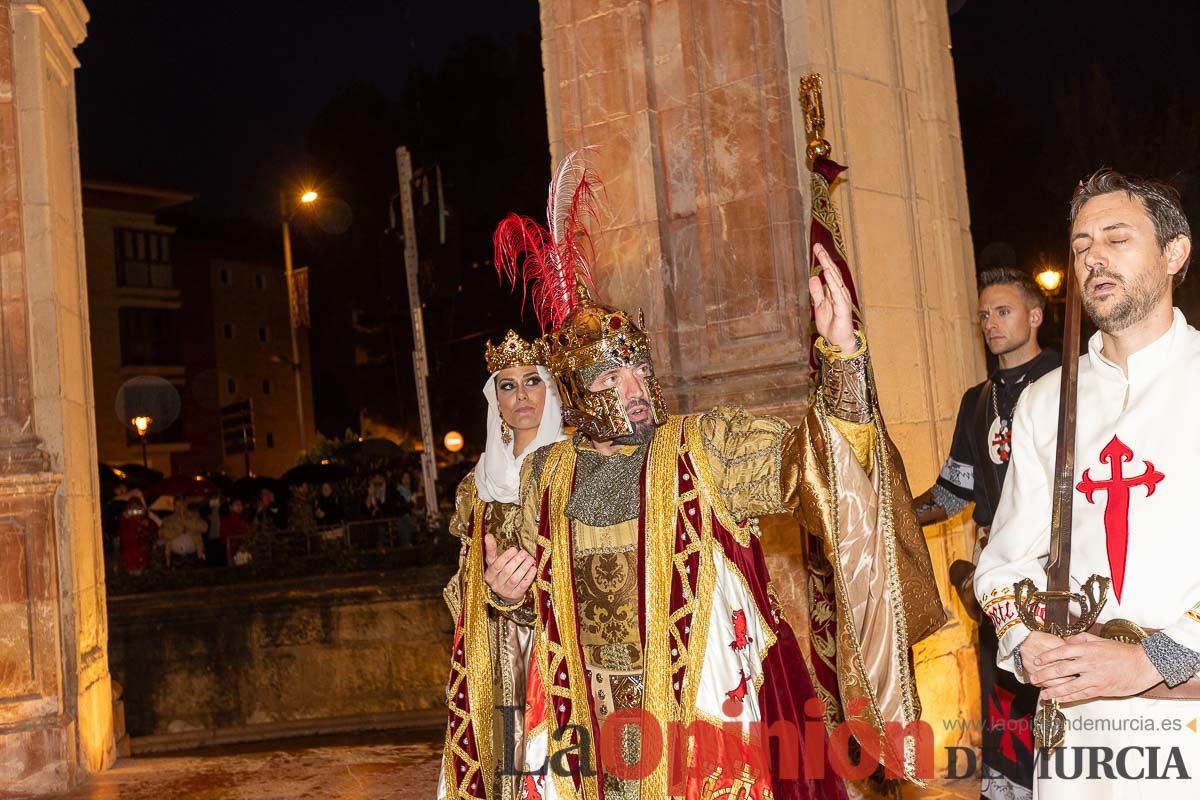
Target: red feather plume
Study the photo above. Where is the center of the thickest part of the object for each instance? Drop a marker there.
(552, 260)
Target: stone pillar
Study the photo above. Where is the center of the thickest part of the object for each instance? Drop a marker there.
(55, 695)
(693, 107)
(688, 105)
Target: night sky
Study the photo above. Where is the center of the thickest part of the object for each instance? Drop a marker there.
(216, 98)
(1050, 91)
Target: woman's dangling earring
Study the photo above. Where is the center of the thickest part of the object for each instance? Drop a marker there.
(506, 434)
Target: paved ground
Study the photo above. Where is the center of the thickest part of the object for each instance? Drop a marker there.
(384, 766)
(388, 766)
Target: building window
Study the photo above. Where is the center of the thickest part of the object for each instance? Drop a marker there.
(231, 385)
(149, 336)
(260, 282)
(143, 259)
(266, 385)
(226, 277)
(227, 328)
(270, 440)
(264, 334)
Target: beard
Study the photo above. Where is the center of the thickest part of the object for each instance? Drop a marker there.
(1113, 314)
(643, 431)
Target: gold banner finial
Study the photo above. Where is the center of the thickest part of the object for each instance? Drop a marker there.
(814, 117)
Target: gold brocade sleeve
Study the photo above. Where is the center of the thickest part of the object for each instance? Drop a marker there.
(464, 497)
(460, 528)
(745, 455)
(519, 529)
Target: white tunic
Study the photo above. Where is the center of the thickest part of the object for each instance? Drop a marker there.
(1139, 428)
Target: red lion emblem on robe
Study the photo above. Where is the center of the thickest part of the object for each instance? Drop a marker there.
(740, 637)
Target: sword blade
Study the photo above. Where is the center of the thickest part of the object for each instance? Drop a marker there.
(1058, 568)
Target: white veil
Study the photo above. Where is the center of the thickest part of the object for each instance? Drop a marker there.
(498, 473)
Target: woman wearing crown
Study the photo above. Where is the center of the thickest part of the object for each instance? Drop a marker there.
(486, 691)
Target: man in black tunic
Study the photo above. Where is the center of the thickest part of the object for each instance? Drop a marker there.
(1011, 308)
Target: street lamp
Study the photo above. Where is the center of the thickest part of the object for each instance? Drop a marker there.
(286, 212)
(142, 425)
(1049, 279)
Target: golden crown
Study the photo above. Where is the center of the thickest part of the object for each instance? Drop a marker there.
(513, 351)
(593, 334)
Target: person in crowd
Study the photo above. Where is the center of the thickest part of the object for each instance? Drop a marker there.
(266, 512)
(182, 535)
(137, 532)
(379, 502)
(234, 527)
(327, 508)
(110, 523)
(301, 514)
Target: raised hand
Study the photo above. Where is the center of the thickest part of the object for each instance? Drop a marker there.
(832, 307)
(510, 574)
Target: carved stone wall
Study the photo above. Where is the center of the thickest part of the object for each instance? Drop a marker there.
(55, 695)
(692, 105)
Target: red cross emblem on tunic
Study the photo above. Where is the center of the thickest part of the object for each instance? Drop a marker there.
(1002, 441)
(1116, 512)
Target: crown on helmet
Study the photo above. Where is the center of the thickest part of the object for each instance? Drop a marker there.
(513, 351)
(585, 339)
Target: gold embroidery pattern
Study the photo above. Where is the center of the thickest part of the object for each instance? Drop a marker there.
(469, 693)
(742, 787)
(824, 647)
(563, 680)
(659, 517)
(745, 453)
(607, 600)
(826, 212)
(1001, 607)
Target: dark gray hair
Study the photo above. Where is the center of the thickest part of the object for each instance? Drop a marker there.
(1160, 201)
(1010, 276)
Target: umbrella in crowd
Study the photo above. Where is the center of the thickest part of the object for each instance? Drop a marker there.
(223, 482)
(185, 485)
(137, 475)
(110, 477)
(250, 488)
(370, 450)
(315, 474)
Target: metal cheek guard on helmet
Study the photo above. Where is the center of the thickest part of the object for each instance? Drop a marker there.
(591, 340)
(600, 416)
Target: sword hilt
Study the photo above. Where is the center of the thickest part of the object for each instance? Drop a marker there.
(1091, 599)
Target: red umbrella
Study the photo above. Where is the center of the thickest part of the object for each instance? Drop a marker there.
(185, 485)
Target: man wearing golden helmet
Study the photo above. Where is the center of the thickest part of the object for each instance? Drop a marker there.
(640, 569)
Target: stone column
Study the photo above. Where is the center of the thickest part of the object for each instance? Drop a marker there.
(55, 696)
(693, 107)
(687, 103)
